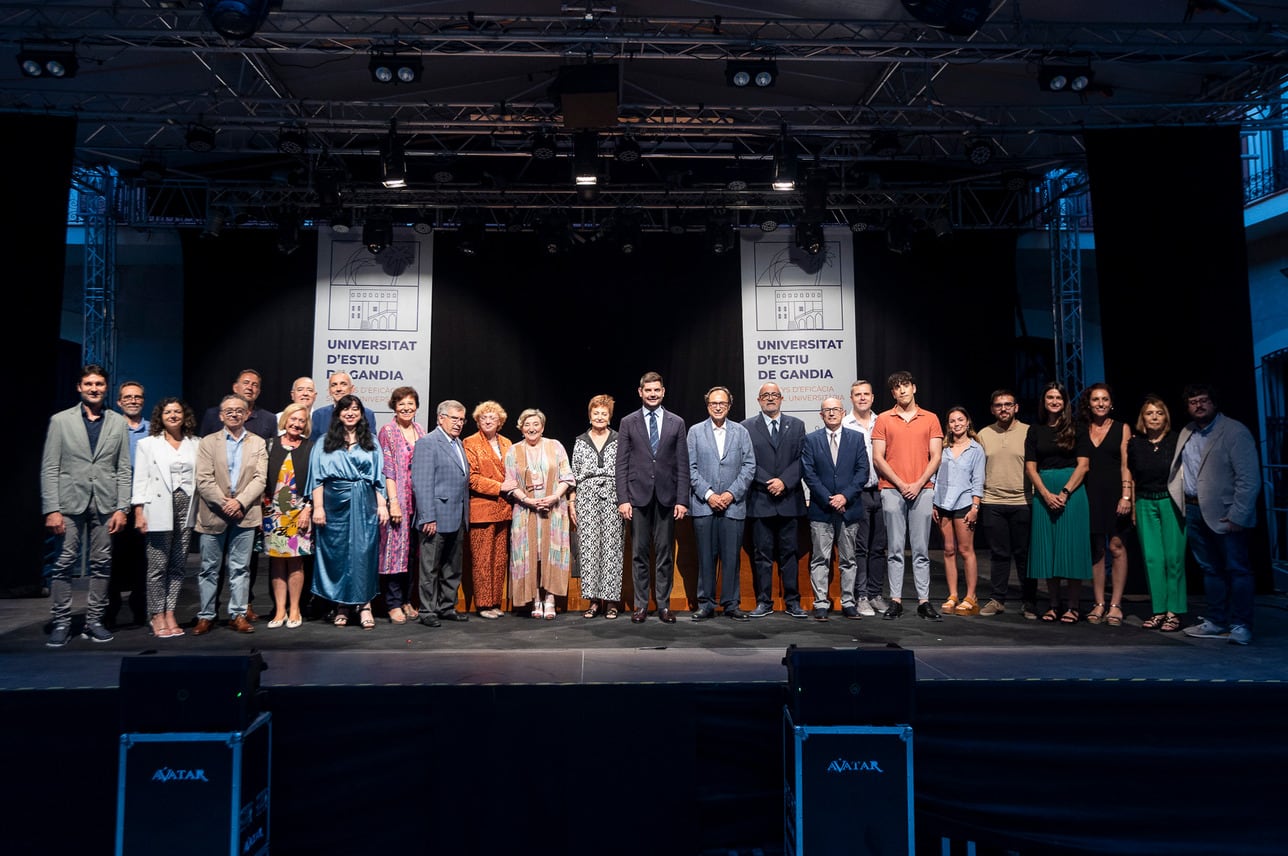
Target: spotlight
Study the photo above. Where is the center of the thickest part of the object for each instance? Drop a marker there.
(393, 161)
(470, 231)
(864, 223)
(784, 180)
(1065, 78)
(627, 150)
(200, 138)
(238, 19)
(765, 220)
(423, 222)
(585, 158)
(390, 67)
(979, 152)
(377, 234)
(542, 146)
(885, 144)
(215, 219)
(627, 231)
(742, 73)
(292, 141)
(442, 170)
(56, 61)
(809, 237)
(721, 235)
(555, 234)
(342, 221)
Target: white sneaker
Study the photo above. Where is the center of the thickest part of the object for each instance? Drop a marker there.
(1240, 635)
(1206, 630)
(880, 604)
(865, 607)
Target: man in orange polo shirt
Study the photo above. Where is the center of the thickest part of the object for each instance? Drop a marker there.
(906, 446)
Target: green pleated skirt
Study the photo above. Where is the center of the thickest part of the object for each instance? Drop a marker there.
(1060, 541)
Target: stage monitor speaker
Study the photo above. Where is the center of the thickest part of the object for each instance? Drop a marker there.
(851, 686)
(190, 693)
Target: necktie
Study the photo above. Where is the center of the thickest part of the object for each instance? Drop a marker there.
(773, 432)
(835, 445)
(652, 430)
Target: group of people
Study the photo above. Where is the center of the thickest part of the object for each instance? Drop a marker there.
(395, 513)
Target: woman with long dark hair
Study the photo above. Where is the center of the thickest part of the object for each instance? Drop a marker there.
(1108, 487)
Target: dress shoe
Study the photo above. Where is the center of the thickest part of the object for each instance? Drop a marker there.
(454, 616)
(203, 626)
(703, 614)
(819, 613)
(794, 611)
(240, 624)
(761, 610)
(894, 611)
(251, 615)
(666, 616)
(736, 614)
(429, 619)
(927, 611)
(850, 612)
(639, 616)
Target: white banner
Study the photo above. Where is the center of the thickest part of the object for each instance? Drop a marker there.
(798, 320)
(372, 318)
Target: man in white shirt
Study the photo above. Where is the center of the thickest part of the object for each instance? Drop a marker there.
(870, 536)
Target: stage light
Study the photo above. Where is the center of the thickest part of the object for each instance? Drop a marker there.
(393, 161)
(200, 138)
(722, 237)
(743, 73)
(55, 61)
(585, 158)
(863, 222)
(957, 17)
(542, 146)
(1015, 181)
(423, 222)
(627, 231)
(809, 238)
(238, 19)
(627, 150)
(215, 219)
(342, 221)
(470, 231)
(784, 180)
(395, 68)
(765, 220)
(979, 152)
(292, 140)
(377, 233)
(555, 233)
(1065, 78)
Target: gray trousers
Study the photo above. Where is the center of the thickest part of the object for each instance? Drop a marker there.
(823, 535)
(440, 569)
(908, 525)
(88, 527)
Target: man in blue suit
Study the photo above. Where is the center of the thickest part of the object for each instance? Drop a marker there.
(721, 466)
(440, 479)
(835, 463)
(776, 502)
(652, 491)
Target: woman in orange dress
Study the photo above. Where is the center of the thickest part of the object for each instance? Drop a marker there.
(490, 509)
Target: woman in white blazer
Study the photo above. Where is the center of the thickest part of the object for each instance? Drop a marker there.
(165, 482)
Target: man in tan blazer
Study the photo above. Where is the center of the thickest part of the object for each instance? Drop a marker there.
(232, 467)
(85, 481)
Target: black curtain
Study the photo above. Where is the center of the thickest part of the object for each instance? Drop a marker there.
(38, 150)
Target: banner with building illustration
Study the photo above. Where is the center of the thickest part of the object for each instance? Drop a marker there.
(798, 320)
(372, 317)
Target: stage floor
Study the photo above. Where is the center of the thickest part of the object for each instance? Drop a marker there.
(574, 650)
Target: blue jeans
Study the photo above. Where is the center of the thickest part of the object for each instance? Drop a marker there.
(1227, 574)
(823, 534)
(238, 542)
(908, 524)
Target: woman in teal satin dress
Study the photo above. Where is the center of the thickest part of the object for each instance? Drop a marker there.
(347, 483)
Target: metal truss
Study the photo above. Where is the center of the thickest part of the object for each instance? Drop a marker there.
(1062, 191)
(96, 190)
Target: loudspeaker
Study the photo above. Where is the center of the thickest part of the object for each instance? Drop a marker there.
(190, 693)
(834, 686)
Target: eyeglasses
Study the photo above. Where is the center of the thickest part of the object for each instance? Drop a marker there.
(131, 398)
(717, 404)
(1200, 399)
(234, 411)
(832, 410)
(770, 396)
(1004, 405)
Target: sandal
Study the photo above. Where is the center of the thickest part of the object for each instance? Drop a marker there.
(368, 623)
(341, 619)
(397, 616)
(611, 612)
(968, 606)
(593, 611)
(1097, 613)
(1171, 623)
(537, 610)
(1111, 619)
(1071, 616)
(411, 612)
(1051, 615)
(549, 610)
(949, 605)
(1154, 622)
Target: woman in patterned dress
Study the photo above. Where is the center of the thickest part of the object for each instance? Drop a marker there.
(397, 440)
(490, 510)
(593, 509)
(540, 539)
(288, 514)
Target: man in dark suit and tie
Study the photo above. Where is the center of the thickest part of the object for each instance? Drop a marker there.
(652, 489)
(835, 463)
(776, 502)
(440, 479)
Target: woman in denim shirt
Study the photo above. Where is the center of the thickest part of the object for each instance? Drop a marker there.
(959, 489)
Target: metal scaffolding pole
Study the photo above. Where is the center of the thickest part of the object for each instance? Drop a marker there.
(1063, 188)
(96, 189)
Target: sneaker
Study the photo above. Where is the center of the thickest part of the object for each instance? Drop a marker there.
(58, 636)
(96, 632)
(865, 607)
(761, 610)
(993, 607)
(879, 604)
(1240, 634)
(795, 611)
(1206, 630)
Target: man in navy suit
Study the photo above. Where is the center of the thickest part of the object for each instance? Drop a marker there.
(440, 479)
(652, 489)
(776, 502)
(835, 463)
(721, 466)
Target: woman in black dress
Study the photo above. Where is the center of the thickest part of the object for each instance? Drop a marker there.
(1109, 499)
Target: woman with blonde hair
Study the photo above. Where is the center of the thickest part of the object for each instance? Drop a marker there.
(490, 510)
(1160, 527)
(288, 513)
(540, 536)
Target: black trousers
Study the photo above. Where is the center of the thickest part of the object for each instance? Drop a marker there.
(1007, 530)
(774, 539)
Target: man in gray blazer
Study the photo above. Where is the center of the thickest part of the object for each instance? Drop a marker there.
(232, 469)
(721, 467)
(440, 480)
(1215, 480)
(85, 482)
(775, 503)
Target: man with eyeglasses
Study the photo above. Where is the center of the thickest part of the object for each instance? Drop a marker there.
(870, 537)
(232, 468)
(907, 443)
(835, 465)
(1005, 512)
(721, 466)
(129, 559)
(440, 479)
(775, 503)
(1215, 481)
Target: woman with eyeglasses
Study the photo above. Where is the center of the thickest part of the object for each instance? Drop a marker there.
(540, 530)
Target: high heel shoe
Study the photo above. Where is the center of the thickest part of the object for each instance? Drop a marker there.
(366, 619)
(1111, 619)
